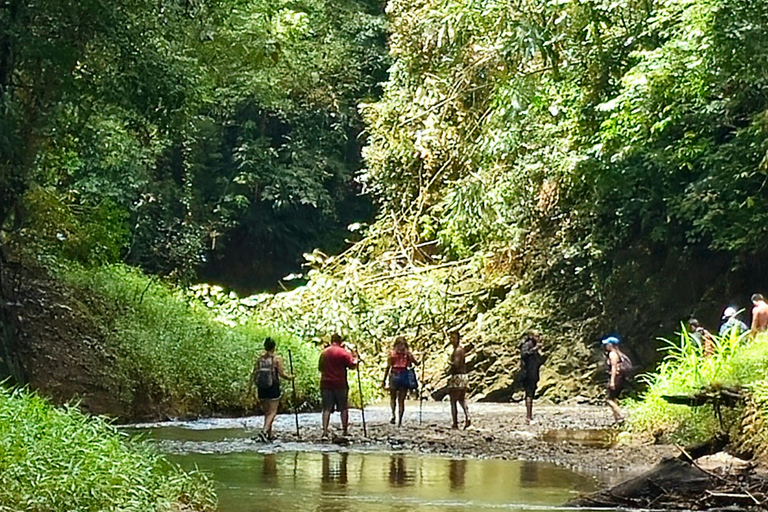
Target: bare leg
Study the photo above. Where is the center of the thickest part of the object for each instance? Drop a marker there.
(528, 409)
(614, 405)
(392, 403)
(326, 420)
(269, 416)
(344, 421)
(454, 395)
(463, 402)
(401, 402)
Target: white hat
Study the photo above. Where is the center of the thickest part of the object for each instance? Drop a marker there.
(729, 312)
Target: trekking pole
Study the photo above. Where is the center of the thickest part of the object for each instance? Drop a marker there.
(295, 403)
(421, 386)
(360, 390)
(421, 391)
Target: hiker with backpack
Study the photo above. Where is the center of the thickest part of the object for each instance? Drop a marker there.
(267, 372)
(402, 377)
(619, 371)
(703, 337)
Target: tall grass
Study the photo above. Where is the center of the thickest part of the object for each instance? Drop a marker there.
(684, 370)
(60, 460)
(172, 350)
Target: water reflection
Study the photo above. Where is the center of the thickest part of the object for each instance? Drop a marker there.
(370, 482)
(457, 472)
(269, 469)
(335, 468)
(529, 473)
(399, 476)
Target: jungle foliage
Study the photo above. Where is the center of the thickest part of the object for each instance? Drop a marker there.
(176, 356)
(575, 167)
(737, 363)
(583, 167)
(180, 135)
(57, 460)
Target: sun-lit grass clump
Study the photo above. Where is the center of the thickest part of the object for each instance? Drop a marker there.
(179, 351)
(58, 459)
(737, 362)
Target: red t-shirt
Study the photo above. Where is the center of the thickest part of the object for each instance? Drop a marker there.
(400, 360)
(334, 362)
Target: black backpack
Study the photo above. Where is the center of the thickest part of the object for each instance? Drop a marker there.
(266, 376)
(626, 366)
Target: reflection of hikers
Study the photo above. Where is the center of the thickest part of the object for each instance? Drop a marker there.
(401, 379)
(732, 323)
(619, 367)
(759, 315)
(458, 381)
(702, 336)
(266, 375)
(334, 390)
(530, 362)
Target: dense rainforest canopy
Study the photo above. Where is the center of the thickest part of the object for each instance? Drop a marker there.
(576, 167)
(189, 138)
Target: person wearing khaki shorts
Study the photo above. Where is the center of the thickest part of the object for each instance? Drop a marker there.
(458, 381)
(334, 389)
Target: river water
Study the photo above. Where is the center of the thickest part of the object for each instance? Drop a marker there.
(293, 477)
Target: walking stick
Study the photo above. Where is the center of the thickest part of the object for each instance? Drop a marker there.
(295, 403)
(360, 390)
(421, 391)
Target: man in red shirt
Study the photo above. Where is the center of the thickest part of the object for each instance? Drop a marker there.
(333, 364)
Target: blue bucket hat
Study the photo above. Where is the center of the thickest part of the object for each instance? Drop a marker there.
(611, 340)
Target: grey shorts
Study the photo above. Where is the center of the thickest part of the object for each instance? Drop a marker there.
(335, 399)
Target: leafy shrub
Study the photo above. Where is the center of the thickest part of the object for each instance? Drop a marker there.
(685, 371)
(62, 460)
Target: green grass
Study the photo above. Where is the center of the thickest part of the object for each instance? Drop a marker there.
(175, 350)
(684, 370)
(58, 459)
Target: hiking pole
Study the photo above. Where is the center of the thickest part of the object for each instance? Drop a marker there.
(295, 403)
(421, 391)
(423, 364)
(360, 390)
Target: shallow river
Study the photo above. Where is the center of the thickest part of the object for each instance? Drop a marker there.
(294, 477)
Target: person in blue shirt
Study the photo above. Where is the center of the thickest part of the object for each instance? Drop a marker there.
(732, 322)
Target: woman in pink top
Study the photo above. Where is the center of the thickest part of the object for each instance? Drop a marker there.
(399, 360)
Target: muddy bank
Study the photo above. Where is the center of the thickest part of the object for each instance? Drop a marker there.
(578, 436)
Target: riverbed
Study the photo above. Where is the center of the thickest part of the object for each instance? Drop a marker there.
(499, 463)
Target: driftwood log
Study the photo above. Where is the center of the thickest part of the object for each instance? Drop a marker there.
(680, 483)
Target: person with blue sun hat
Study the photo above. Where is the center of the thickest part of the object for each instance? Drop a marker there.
(619, 366)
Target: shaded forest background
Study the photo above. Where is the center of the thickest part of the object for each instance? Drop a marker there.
(574, 167)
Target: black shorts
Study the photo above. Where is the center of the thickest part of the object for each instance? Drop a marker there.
(614, 393)
(335, 399)
(530, 389)
(270, 393)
